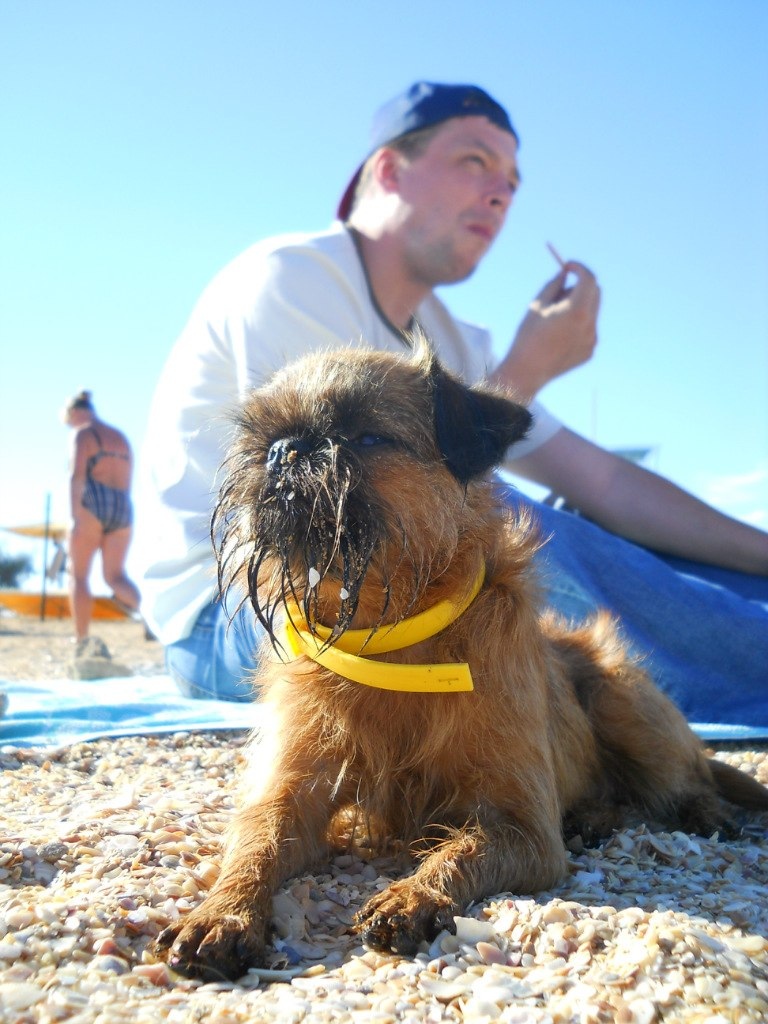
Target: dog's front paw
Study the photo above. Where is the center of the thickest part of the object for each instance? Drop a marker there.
(212, 946)
(403, 916)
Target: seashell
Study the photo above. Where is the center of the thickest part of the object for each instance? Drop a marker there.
(471, 931)
(497, 993)
(10, 950)
(698, 937)
(19, 917)
(491, 954)
(288, 916)
(112, 964)
(107, 947)
(665, 852)
(52, 851)
(206, 872)
(68, 1000)
(451, 972)
(16, 997)
(158, 974)
(641, 1011)
(445, 991)
(124, 845)
(482, 1009)
(752, 945)
(556, 913)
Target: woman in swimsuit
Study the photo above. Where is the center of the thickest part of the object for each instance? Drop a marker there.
(102, 514)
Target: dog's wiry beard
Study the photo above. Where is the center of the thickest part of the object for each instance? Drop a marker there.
(311, 529)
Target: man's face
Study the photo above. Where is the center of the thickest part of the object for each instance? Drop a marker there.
(454, 198)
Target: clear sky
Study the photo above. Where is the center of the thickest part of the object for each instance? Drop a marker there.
(146, 143)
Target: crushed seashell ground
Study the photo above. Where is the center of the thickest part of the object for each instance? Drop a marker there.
(105, 843)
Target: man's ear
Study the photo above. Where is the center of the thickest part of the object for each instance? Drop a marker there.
(473, 427)
(386, 168)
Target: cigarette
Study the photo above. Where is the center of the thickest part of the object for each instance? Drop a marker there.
(557, 255)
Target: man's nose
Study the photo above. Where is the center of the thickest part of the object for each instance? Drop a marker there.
(500, 194)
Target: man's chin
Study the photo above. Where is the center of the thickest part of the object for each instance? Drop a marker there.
(461, 272)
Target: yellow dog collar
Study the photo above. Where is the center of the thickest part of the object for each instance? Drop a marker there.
(343, 656)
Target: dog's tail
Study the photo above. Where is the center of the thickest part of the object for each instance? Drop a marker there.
(738, 788)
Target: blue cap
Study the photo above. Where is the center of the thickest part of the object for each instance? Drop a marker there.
(423, 105)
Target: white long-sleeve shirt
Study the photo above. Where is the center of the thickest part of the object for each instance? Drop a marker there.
(280, 299)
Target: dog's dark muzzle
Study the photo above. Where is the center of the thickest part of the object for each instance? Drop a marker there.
(314, 512)
(285, 452)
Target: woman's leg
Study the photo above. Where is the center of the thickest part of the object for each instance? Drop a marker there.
(114, 549)
(84, 542)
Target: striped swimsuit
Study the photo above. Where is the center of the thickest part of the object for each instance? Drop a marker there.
(111, 505)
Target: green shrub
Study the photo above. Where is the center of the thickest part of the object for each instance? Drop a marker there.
(12, 568)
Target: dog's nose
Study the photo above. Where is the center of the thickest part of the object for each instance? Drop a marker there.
(285, 452)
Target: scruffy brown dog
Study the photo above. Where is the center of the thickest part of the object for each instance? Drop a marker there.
(357, 498)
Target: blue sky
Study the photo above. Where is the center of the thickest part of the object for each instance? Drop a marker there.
(147, 143)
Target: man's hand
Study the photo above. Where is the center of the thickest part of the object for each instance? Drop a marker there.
(557, 334)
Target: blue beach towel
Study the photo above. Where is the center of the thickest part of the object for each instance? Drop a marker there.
(55, 713)
(58, 712)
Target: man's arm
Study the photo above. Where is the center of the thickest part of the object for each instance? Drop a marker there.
(642, 506)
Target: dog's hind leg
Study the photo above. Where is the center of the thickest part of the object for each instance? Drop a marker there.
(651, 760)
(475, 861)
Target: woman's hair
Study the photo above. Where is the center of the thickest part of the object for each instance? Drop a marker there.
(82, 400)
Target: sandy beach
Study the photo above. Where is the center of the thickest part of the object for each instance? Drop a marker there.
(31, 649)
(104, 843)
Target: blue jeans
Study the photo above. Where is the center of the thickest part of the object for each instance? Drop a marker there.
(218, 659)
(702, 631)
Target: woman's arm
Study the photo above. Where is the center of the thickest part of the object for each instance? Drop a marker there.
(77, 473)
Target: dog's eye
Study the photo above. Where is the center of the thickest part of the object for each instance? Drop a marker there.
(370, 440)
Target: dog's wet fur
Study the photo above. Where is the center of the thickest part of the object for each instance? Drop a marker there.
(370, 472)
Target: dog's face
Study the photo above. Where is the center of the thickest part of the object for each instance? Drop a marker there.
(348, 480)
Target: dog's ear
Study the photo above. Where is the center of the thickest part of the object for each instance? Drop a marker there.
(473, 427)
